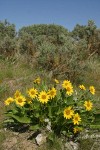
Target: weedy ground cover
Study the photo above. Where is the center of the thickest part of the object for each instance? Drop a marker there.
(64, 100)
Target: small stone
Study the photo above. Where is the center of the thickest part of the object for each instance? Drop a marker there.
(46, 120)
(48, 127)
(15, 133)
(5, 129)
(68, 146)
(40, 139)
(74, 145)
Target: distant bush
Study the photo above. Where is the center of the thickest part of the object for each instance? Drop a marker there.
(56, 49)
(52, 47)
(7, 38)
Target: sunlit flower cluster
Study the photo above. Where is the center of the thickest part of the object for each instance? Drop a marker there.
(59, 102)
(68, 86)
(69, 113)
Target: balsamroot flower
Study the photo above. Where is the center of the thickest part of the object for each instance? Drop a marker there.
(82, 87)
(68, 112)
(32, 92)
(17, 94)
(69, 89)
(68, 86)
(76, 119)
(9, 100)
(77, 129)
(20, 100)
(38, 80)
(92, 89)
(52, 93)
(43, 97)
(56, 81)
(65, 83)
(88, 105)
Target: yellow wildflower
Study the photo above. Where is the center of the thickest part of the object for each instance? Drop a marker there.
(20, 100)
(52, 93)
(92, 89)
(9, 100)
(43, 97)
(69, 89)
(82, 87)
(65, 83)
(88, 104)
(77, 129)
(56, 81)
(76, 119)
(68, 113)
(17, 94)
(32, 92)
(38, 80)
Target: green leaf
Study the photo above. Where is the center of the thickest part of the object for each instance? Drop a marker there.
(64, 132)
(9, 121)
(50, 114)
(35, 127)
(20, 119)
(70, 100)
(37, 115)
(51, 136)
(97, 119)
(9, 112)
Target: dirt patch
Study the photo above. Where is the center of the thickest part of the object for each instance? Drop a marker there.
(26, 141)
(18, 141)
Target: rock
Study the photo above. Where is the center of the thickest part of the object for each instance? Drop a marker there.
(5, 129)
(68, 146)
(48, 127)
(40, 139)
(46, 120)
(15, 133)
(74, 145)
(71, 145)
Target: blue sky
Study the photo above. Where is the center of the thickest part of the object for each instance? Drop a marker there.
(62, 12)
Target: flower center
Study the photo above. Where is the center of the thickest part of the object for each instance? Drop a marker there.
(52, 92)
(67, 112)
(43, 96)
(76, 118)
(88, 105)
(68, 88)
(20, 100)
(32, 92)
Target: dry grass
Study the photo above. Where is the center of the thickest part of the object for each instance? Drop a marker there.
(92, 75)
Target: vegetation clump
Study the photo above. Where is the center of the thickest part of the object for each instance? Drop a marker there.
(68, 110)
